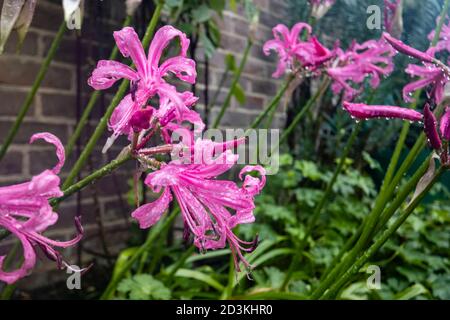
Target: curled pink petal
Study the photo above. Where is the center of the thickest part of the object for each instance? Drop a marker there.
(363, 111)
(108, 72)
(28, 262)
(445, 124)
(60, 153)
(182, 67)
(430, 128)
(161, 40)
(251, 184)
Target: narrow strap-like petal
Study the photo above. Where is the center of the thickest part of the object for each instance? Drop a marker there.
(183, 68)
(161, 40)
(29, 257)
(129, 45)
(150, 213)
(60, 153)
(108, 72)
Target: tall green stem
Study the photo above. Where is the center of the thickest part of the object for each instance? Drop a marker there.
(304, 110)
(90, 105)
(237, 77)
(32, 93)
(334, 289)
(273, 104)
(103, 171)
(317, 211)
(352, 255)
(115, 101)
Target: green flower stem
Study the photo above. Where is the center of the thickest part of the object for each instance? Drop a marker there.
(105, 170)
(180, 263)
(304, 110)
(115, 101)
(91, 104)
(318, 210)
(231, 276)
(334, 289)
(273, 103)
(380, 203)
(353, 254)
(235, 82)
(32, 93)
(162, 225)
(440, 24)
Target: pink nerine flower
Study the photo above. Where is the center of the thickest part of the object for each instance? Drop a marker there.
(430, 76)
(363, 111)
(432, 73)
(391, 14)
(371, 59)
(148, 78)
(445, 125)
(293, 51)
(205, 202)
(444, 37)
(26, 213)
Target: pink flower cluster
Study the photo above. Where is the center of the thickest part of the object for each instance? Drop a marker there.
(210, 208)
(294, 53)
(25, 212)
(391, 8)
(371, 59)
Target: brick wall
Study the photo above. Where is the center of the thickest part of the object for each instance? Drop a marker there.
(55, 110)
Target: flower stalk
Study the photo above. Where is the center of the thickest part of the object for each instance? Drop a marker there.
(318, 209)
(334, 289)
(32, 93)
(235, 82)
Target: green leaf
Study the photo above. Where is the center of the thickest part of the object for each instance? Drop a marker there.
(201, 14)
(144, 287)
(217, 5)
(122, 259)
(355, 291)
(411, 292)
(230, 62)
(309, 169)
(193, 274)
(239, 94)
(208, 46)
